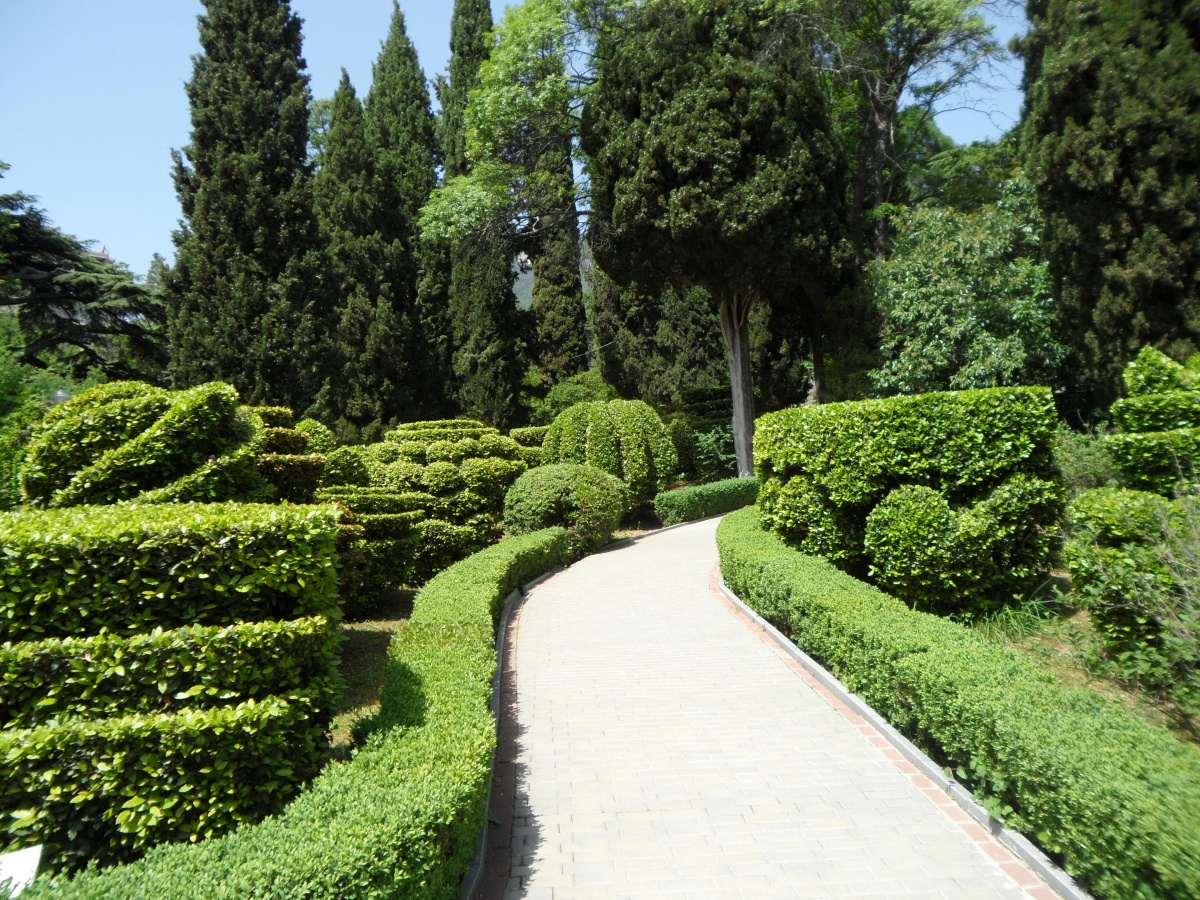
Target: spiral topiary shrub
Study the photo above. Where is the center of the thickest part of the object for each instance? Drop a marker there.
(584, 500)
(625, 438)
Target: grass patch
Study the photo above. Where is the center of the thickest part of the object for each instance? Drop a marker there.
(364, 664)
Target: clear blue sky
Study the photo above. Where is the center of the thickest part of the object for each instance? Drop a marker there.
(92, 101)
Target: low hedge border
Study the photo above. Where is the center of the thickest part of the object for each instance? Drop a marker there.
(398, 820)
(113, 788)
(1113, 797)
(703, 500)
(166, 671)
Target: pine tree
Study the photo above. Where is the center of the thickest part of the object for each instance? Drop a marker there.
(248, 302)
(1111, 140)
(488, 361)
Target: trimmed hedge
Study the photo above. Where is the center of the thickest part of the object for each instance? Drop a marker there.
(110, 789)
(1153, 372)
(851, 481)
(587, 501)
(320, 438)
(1116, 798)
(400, 818)
(1157, 412)
(130, 568)
(531, 436)
(625, 438)
(1157, 460)
(704, 500)
(164, 671)
(295, 477)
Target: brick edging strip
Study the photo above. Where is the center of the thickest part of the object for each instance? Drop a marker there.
(948, 794)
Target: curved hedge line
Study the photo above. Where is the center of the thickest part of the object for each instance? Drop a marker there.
(194, 667)
(1117, 799)
(703, 500)
(400, 818)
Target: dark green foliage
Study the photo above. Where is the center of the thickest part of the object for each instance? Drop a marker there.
(586, 501)
(470, 43)
(1112, 795)
(558, 299)
(196, 667)
(74, 312)
(107, 790)
(704, 500)
(275, 416)
(320, 438)
(294, 477)
(580, 388)
(1083, 460)
(836, 476)
(625, 438)
(401, 818)
(130, 568)
(1133, 561)
(249, 302)
(1111, 141)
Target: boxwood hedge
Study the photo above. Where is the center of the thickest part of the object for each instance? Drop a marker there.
(587, 501)
(109, 789)
(163, 671)
(703, 500)
(130, 568)
(400, 818)
(1113, 797)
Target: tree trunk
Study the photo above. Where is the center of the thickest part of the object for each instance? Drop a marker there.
(735, 326)
(816, 344)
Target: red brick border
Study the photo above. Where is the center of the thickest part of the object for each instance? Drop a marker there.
(982, 838)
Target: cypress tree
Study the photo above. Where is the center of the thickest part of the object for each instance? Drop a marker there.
(1111, 141)
(488, 362)
(248, 303)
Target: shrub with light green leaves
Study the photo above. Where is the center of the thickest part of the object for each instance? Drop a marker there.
(129, 567)
(197, 667)
(1114, 797)
(625, 438)
(531, 436)
(320, 438)
(400, 818)
(586, 501)
(704, 500)
(949, 499)
(109, 789)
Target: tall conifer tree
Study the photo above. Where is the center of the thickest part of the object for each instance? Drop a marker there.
(488, 362)
(247, 302)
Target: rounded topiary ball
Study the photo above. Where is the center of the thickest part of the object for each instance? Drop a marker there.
(586, 501)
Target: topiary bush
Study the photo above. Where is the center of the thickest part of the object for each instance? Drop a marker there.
(625, 438)
(1112, 796)
(586, 501)
(320, 438)
(704, 500)
(950, 500)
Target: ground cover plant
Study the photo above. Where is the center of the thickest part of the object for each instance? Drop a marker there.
(948, 500)
(1112, 797)
(168, 672)
(401, 817)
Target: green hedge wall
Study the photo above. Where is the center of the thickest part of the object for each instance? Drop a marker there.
(974, 467)
(110, 789)
(704, 500)
(1118, 799)
(531, 436)
(625, 438)
(1157, 412)
(400, 818)
(165, 671)
(130, 568)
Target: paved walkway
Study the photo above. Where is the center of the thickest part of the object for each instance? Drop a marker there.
(665, 749)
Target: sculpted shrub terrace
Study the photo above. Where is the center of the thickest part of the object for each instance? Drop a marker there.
(949, 500)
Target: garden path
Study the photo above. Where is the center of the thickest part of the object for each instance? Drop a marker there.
(665, 748)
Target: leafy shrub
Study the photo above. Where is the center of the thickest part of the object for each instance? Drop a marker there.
(375, 500)
(585, 387)
(1134, 558)
(197, 667)
(986, 454)
(1112, 795)
(1083, 460)
(491, 478)
(284, 442)
(117, 442)
(715, 456)
(625, 438)
(699, 502)
(1157, 412)
(1156, 461)
(429, 432)
(529, 437)
(442, 478)
(400, 818)
(295, 478)
(320, 438)
(131, 568)
(584, 500)
(345, 466)
(1153, 372)
(109, 789)
(683, 438)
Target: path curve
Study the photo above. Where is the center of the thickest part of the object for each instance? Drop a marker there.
(665, 749)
